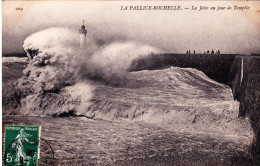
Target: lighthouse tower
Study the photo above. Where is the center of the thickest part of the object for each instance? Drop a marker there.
(82, 36)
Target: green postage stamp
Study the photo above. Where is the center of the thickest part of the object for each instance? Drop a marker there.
(21, 146)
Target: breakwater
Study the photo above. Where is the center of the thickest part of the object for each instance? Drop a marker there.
(240, 72)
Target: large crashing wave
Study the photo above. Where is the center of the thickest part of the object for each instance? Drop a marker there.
(57, 61)
(62, 79)
(58, 67)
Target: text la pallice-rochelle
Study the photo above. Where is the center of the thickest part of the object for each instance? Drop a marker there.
(180, 8)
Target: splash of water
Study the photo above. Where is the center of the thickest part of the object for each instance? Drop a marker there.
(58, 65)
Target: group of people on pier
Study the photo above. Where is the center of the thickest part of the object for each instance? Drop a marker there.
(208, 52)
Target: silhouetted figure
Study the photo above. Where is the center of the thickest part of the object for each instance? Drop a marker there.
(194, 51)
(218, 52)
(208, 52)
(212, 52)
(189, 51)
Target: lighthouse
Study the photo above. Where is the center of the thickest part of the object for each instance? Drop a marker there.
(82, 36)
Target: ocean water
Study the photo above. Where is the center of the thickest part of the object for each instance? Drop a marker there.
(174, 116)
(182, 99)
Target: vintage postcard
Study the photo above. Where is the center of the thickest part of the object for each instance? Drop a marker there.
(131, 82)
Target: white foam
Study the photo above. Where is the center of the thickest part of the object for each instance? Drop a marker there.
(14, 59)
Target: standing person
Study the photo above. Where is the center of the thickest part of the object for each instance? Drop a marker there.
(21, 138)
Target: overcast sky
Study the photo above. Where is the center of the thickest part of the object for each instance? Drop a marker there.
(171, 31)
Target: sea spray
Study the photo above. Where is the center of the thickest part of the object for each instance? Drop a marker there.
(81, 93)
(57, 66)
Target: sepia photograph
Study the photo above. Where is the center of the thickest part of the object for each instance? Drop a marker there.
(131, 83)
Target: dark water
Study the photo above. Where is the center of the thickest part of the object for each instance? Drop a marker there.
(82, 141)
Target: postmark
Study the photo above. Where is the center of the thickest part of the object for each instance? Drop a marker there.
(21, 146)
